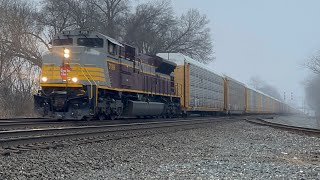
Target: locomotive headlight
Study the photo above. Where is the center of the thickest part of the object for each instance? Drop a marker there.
(44, 79)
(74, 79)
(66, 53)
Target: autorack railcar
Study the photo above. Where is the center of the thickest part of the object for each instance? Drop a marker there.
(200, 88)
(235, 96)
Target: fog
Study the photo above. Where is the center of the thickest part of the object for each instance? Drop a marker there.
(269, 39)
(313, 95)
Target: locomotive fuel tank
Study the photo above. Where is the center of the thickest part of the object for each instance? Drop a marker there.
(139, 108)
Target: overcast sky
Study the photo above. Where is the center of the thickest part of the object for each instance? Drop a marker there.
(266, 38)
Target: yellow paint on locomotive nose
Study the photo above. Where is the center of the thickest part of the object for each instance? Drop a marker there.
(59, 85)
(82, 73)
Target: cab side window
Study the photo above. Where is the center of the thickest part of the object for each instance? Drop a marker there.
(112, 48)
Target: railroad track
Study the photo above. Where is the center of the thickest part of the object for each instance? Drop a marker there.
(23, 119)
(6, 126)
(15, 125)
(261, 121)
(28, 139)
(29, 123)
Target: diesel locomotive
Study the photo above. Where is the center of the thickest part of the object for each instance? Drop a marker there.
(89, 75)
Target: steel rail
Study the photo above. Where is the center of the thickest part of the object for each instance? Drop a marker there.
(22, 137)
(26, 125)
(261, 121)
(51, 122)
(16, 120)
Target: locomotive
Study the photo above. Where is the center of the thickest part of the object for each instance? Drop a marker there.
(89, 75)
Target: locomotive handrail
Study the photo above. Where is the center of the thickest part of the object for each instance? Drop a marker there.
(91, 88)
(90, 76)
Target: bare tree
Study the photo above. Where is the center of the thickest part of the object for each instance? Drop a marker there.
(105, 16)
(312, 94)
(19, 32)
(314, 63)
(57, 15)
(148, 27)
(111, 15)
(20, 56)
(192, 37)
(257, 83)
(312, 87)
(153, 28)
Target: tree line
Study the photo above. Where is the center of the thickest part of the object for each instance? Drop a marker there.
(312, 86)
(26, 28)
(152, 27)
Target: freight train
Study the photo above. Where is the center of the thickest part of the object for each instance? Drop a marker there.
(88, 75)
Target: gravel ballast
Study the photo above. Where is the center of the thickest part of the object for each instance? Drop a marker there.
(221, 150)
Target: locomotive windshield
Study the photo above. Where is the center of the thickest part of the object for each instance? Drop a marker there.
(62, 42)
(90, 42)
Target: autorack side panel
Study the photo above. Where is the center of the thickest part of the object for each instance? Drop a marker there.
(276, 106)
(270, 105)
(266, 104)
(259, 101)
(254, 101)
(262, 103)
(182, 80)
(206, 90)
(250, 104)
(235, 96)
